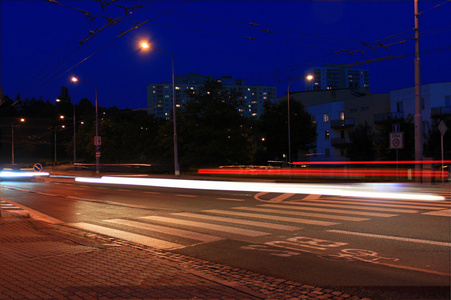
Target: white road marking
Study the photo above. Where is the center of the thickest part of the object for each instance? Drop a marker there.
(233, 230)
(411, 211)
(339, 211)
(367, 203)
(167, 230)
(310, 197)
(238, 221)
(442, 213)
(277, 218)
(230, 199)
(388, 237)
(281, 198)
(136, 238)
(305, 214)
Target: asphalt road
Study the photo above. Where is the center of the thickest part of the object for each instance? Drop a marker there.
(369, 247)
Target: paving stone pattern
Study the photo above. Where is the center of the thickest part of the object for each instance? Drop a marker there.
(42, 262)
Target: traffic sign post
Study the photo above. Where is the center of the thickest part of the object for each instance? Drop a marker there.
(396, 142)
(442, 127)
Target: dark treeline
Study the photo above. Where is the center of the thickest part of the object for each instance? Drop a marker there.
(211, 132)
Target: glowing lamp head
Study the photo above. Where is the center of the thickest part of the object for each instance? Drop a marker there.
(309, 77)
(74, 79)
(145, 45)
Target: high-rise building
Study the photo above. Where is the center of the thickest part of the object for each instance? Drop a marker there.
(159, 95)
(334, 76)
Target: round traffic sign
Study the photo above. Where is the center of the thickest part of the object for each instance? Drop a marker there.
(37, 167)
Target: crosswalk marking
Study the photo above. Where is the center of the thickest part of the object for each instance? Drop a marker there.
(238, 221)
(305, 214)
(168, 230)
(443, 213)
(271, 217)
(362, 203)
(133, 237)
(339, 211)
(281, 197)
(432, 204)
(227, 229)
(411, 211)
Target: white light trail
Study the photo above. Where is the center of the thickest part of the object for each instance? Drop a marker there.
(330, 190)
(12, 174)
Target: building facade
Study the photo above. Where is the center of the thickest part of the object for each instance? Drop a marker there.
(334, 76)
(159, 95)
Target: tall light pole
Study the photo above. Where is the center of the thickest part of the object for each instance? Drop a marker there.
(418, 119)
(308, 77)
(97, 140)
(12, 139)
(145, 46)
(75, 134)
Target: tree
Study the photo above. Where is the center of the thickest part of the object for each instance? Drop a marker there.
(362, 143)
(211, 130)
(273, 127)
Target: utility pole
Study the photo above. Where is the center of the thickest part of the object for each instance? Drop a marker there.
(418, 120)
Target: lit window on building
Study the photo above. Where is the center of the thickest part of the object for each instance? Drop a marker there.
(326, 117)
(326, 134)
(342, 115)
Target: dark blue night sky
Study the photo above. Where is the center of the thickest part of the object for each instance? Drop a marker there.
(266, 42)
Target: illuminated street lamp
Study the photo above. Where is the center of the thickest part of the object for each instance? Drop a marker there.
(12, 139)
(97, 140)
(146, 46)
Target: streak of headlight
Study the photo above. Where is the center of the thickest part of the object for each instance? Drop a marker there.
(11, 174)
(330, 190)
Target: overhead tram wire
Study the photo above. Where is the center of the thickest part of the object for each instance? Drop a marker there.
(106, 45)
(267, 29)
(47, 79)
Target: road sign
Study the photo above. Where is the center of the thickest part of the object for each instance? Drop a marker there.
(98, 151)
(396, 128)
(442, 127)
(37, 167)
(97, 140)
(397, 140)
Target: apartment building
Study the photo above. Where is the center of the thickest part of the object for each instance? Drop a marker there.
(159, 95)
(335, 76)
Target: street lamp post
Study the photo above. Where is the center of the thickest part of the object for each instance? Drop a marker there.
(309, 77)
(145, 45)
(75, 133)
(97, 142)
(12, 139)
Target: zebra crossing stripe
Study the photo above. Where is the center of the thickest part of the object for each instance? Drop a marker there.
(369, 203)
(305, 214)
(239, 221)
(409, 211)
(442, 213)
(270, 217)
(233, 230)
(339, 211)
(167, 230)
(135, 238)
